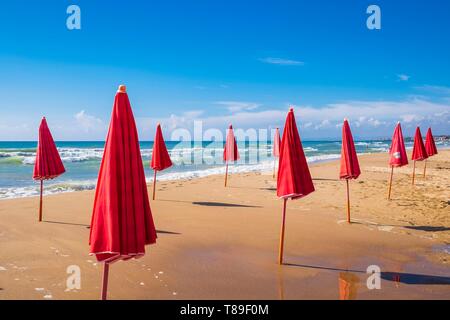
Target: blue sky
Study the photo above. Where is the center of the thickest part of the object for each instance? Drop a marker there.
(243, 62)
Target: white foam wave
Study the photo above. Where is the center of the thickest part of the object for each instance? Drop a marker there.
(50, 188)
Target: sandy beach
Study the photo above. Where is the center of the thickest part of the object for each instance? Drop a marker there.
(222, 243)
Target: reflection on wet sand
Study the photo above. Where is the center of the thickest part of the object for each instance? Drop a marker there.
(280, 284)
(348, 286)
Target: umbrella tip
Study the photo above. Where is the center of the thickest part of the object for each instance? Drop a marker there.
(291, 109)
(122, 88)
(345, 119)
(231, 126)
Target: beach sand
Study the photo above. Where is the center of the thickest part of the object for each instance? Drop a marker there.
(222, 243)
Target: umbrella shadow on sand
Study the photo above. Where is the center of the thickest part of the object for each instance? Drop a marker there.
(428, 228)
(222, 204)
(420, 228)
(68, 223)
(325, 179)
(213, 204)
(167, 232)
(405, 278)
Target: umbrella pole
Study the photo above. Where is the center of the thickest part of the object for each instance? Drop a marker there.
(283, 221)
(348, 202)
(226, 175)
(40, 201)
(425, 169)
(414, 172)
(390, 183)
(154, 184)
(274, 165)
(105, 281)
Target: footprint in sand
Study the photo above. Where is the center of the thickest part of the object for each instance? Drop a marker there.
(48, 296)
(2, 268)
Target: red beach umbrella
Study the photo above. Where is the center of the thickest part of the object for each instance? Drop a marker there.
(349, 161)
(122, 222)
(48, 163)
(276, 149)
(430, 147)
(419, 152)
(397, 154)
(160, 156)
(230, 151)
(294, 180)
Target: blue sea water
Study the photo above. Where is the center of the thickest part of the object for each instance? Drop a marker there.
(191, 159)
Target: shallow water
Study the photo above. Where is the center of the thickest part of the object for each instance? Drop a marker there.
(191, 159)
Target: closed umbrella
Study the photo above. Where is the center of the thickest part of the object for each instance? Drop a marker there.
(430, 147)
(397, 154)
(349, 161)
(48, 163)
(160, 156)
(419, 152)
(122, 222)
(230, 151)
(294, 180)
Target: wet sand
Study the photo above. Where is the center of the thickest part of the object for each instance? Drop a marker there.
(222, 243)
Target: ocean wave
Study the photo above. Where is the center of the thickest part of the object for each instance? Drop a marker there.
(50, 188)
(310, 149)
(71, 186)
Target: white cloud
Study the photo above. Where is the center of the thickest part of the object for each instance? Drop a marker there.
(236, 106)
(403, 77)
(441, 90)
(283, 62)
(412, 118)
(322, 124)
(88, 123)
(367, 118)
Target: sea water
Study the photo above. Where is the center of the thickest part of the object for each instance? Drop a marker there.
(191, 160)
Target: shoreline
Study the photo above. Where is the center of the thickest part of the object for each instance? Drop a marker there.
(85, 185)
(75, 185)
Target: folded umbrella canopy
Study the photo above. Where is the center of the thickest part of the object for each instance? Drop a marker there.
(397, 154)
(160, 156)
(276, 149)
(230, 151)
(48, 163)
(419, 152)
(349, 161)
(122, 222)
(430, 147)
(294, 180)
